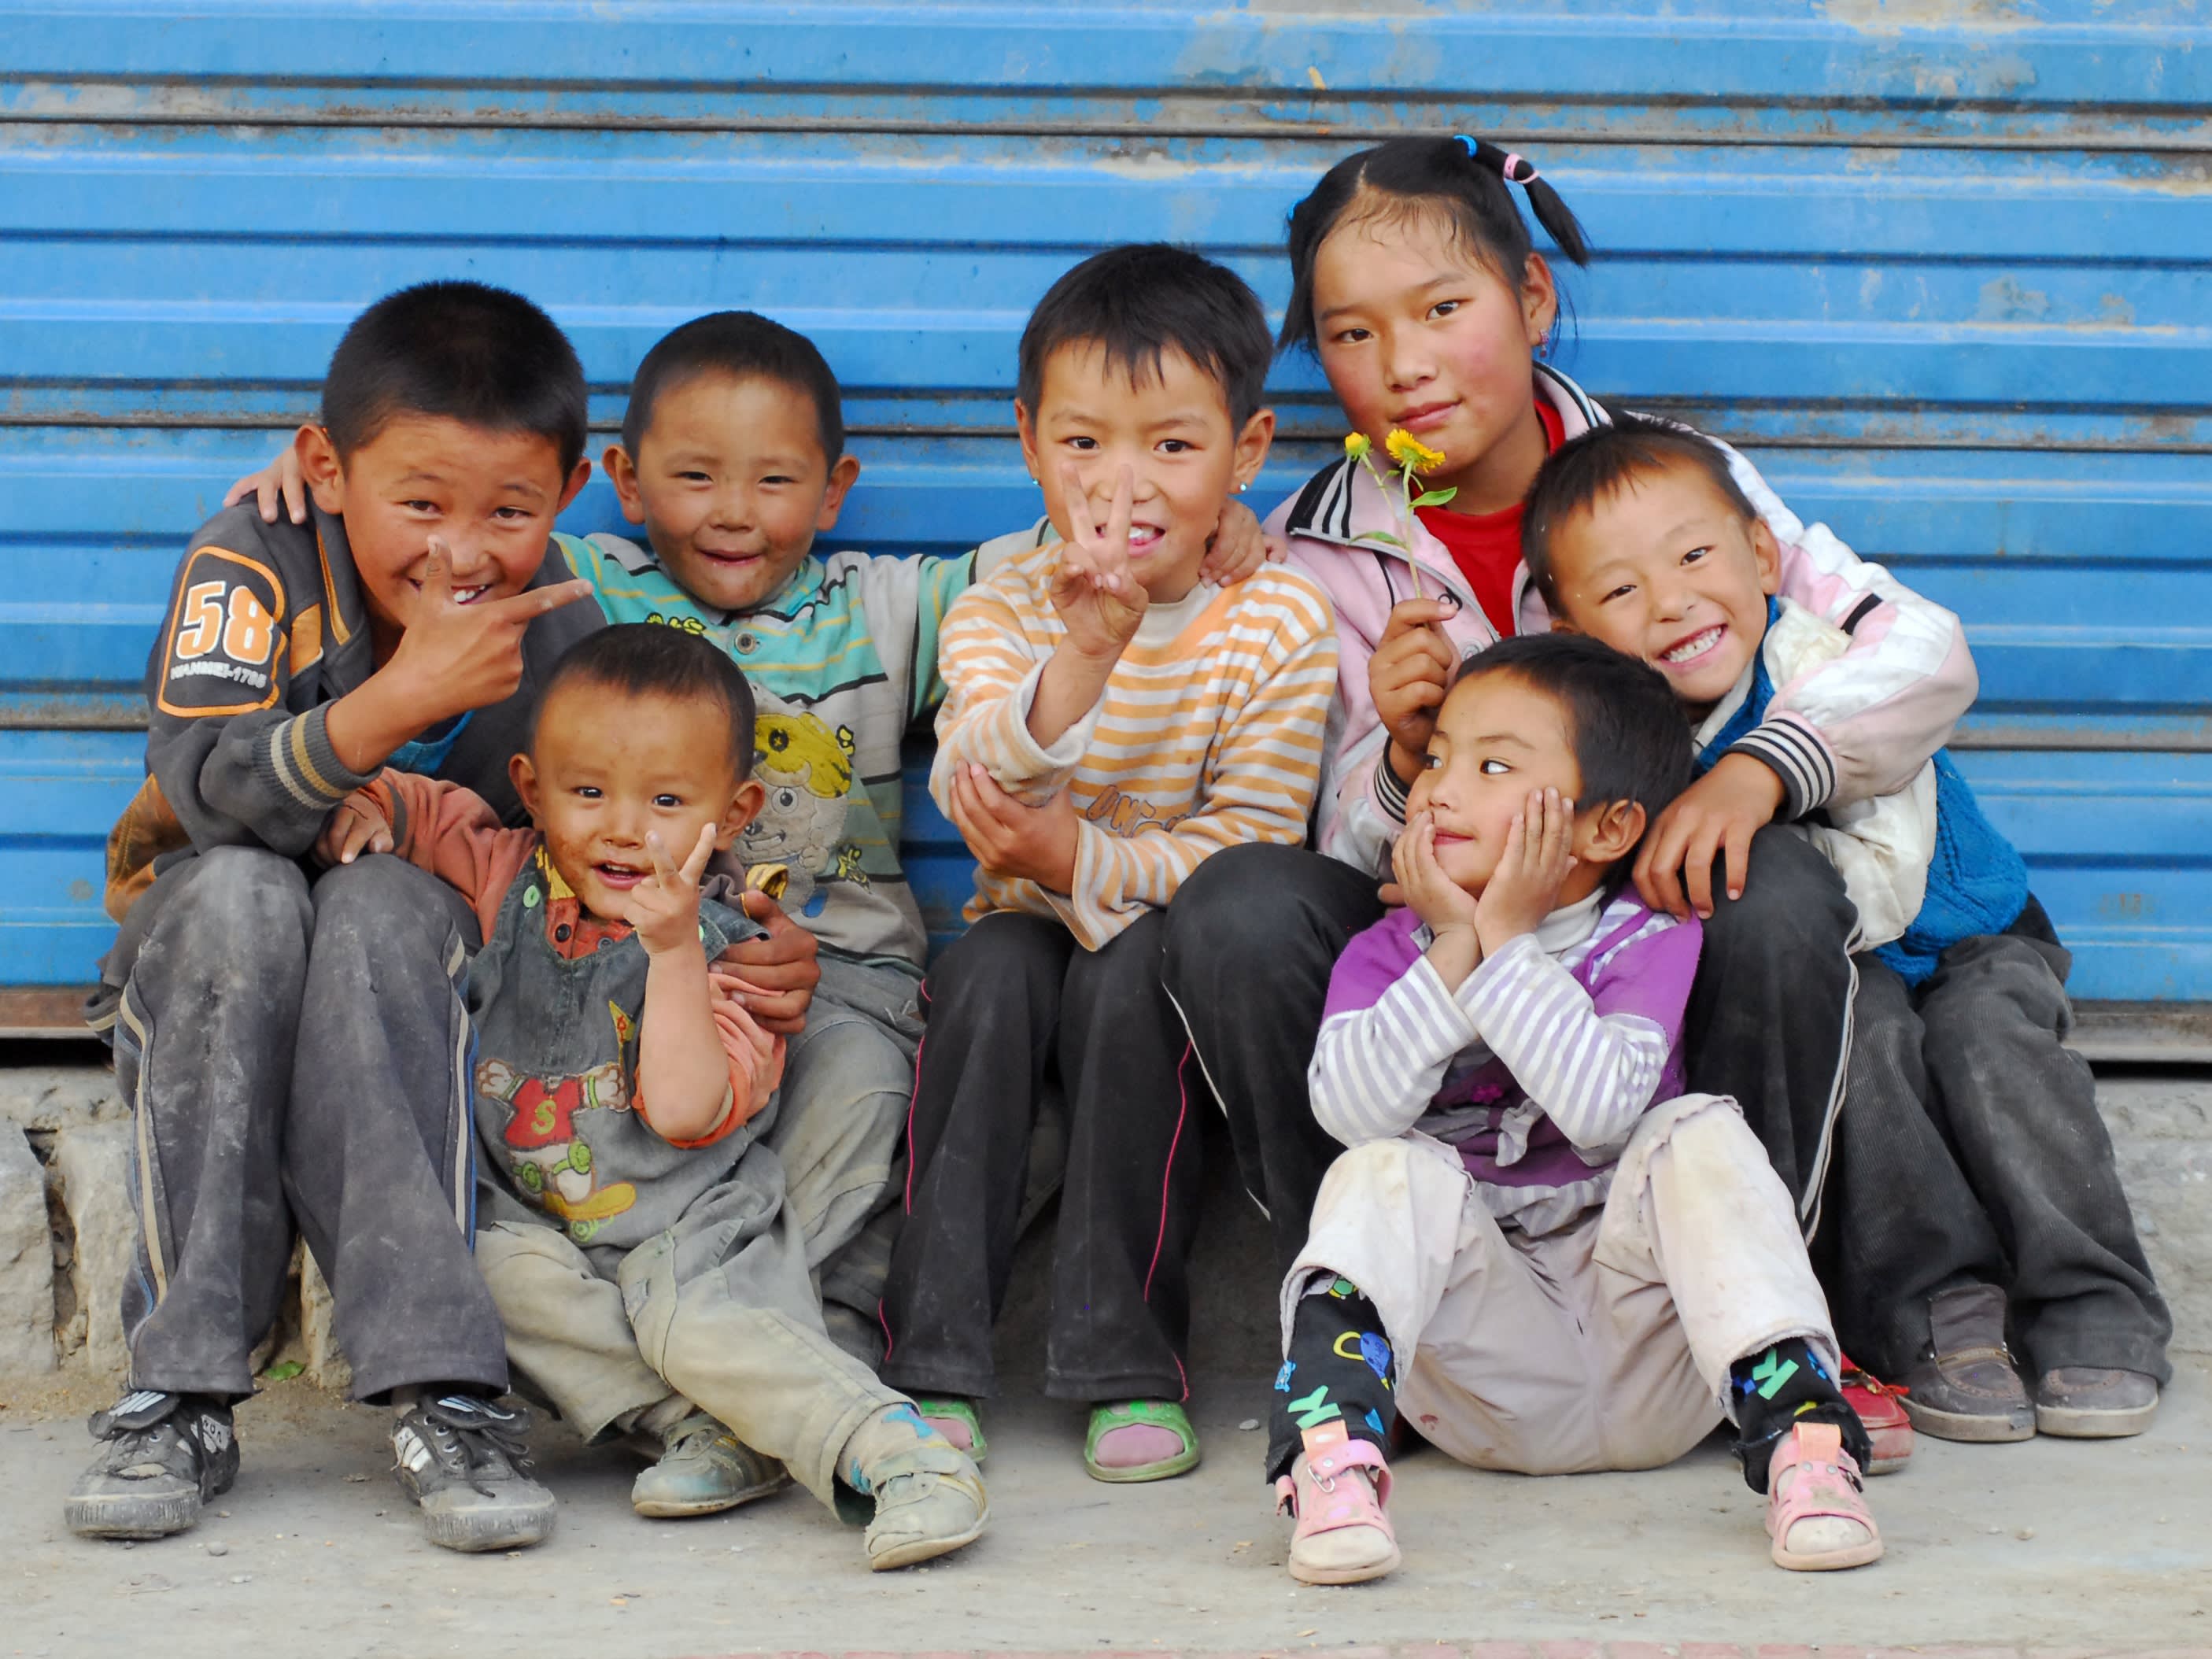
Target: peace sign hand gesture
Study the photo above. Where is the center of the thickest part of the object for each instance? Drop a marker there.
(1093, 589)
(456, 657)
(664, 908)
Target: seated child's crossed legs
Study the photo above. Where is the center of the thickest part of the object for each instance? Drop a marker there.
(1604, 1345)
(714, 1322)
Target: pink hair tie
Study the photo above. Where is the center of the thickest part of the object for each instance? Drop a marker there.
(1513, 161)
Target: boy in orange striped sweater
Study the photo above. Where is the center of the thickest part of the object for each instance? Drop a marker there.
(1111, 720)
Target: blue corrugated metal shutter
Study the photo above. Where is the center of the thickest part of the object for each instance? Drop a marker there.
(1942, 268)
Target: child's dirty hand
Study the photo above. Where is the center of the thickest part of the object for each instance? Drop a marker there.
(1525, 886)
(1093, 589)
(1239, 547)
(1009, 837)
(280, 481)
(664, 908)
(357, 825)
(1714, 818)
(1434, 897)
(1408, 677)
(454, 657)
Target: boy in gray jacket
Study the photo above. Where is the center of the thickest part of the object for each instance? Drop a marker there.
(290, 1043)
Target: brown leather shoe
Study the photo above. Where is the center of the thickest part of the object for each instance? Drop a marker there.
(2085, 1402)
(1966, 1388)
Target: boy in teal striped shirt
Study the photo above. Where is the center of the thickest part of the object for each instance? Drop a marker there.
(733, 460)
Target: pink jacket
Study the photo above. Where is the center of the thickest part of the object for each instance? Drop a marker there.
(1859, 726)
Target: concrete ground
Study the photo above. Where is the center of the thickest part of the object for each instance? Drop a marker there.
(2049, 1544)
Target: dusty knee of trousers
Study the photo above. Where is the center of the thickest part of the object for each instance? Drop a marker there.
(383, 906)
(1226, 915)
(243, 904)
(1377, 1167)
(1693, 1131)
(1793, 900)
(1996, 990)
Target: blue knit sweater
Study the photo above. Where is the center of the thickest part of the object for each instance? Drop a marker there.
(1976, 881)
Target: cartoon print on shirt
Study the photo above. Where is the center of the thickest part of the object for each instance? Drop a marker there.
(548, 1157)
(807, 769)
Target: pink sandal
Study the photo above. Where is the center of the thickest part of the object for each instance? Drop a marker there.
(1815, 1511)
(1337, 1489)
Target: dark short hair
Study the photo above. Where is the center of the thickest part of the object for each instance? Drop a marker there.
(1140, 301)
(744, 346)
(1587, 470)
(1631, 742)
(1462, 179)
(457, 351)
(653, 660)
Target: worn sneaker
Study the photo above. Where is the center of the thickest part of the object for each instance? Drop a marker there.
(919, 1495)
(463, 1462)
(1966, 1387)
(165, 1455)
(2083, 1402)
(703, 1468)
(929, 1502)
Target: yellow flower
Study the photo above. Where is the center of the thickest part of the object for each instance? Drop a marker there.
(1356, 445)
(1410, 452)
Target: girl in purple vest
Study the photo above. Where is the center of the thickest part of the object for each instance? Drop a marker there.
(1538, 1248)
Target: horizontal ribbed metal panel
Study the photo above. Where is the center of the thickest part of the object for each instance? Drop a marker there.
(1942, 269)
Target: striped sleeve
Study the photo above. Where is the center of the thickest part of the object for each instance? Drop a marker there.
(1591, 1071)
(1264, 771)
(991, 663)
(1376, 1069)
(1794, 750)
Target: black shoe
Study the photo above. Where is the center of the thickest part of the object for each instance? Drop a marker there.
(463, 1462)
(165, 1455)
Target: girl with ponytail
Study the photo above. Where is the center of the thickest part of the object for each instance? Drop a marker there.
(1416, 284)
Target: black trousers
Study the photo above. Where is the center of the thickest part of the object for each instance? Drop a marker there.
(1769, 1021)
(1255, 932)
(1013, 1007)
(1970, 1152)
(295, 1057)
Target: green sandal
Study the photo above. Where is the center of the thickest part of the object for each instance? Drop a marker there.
(1155, 1413)
(953, 1418)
